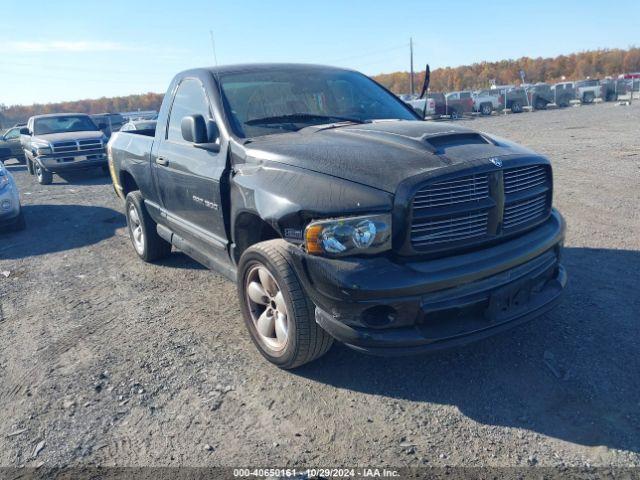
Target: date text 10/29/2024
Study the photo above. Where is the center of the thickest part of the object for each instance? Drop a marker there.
(309, 473)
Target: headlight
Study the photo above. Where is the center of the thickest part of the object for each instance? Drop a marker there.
(349, 236)
(4, 178)
(42, 148)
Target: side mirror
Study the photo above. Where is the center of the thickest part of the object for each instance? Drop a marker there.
(202, 133)
(194, 129)
(24, 131)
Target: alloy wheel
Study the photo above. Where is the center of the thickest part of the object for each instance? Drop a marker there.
(135, 225)
(267, 307)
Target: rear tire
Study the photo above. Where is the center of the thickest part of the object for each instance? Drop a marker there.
(588, 97)
(143, 230)
(454, 114)
(516, 107)
(45, 177)
(486, 109)
(280, 301)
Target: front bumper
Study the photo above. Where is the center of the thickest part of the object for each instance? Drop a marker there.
(382, 306)
(68, 163)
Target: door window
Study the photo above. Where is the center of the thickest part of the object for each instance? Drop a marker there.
(190, 99)
(12, 134)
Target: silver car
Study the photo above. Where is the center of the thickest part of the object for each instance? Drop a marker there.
(11, 215)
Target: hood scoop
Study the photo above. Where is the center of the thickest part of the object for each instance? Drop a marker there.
(439, 143)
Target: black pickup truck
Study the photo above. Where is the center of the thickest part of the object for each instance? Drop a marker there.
(339, 213)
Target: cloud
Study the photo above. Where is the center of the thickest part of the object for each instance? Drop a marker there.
(65, 46)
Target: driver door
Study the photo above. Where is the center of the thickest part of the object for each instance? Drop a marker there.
(189, 178)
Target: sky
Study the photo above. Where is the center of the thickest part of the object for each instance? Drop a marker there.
(73, 49)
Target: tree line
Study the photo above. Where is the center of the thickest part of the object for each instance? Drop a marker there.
(20, 113)
(594, 64)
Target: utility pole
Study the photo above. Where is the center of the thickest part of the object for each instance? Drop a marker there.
(413, 89)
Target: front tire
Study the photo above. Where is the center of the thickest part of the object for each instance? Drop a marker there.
(45, 177)
(30, 168)
(486, 109)
(588, 97)
(278, 313)
(142, 230)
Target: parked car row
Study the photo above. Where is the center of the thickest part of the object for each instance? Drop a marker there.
(515, 98)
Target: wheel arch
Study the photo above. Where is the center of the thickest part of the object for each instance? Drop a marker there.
(249, 228)
(127, 182)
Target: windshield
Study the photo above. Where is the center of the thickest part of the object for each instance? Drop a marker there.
(68, 123)
(277, 101)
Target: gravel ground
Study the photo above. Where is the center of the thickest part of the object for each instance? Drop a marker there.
(105, 360)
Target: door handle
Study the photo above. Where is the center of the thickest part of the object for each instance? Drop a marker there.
(162, 161)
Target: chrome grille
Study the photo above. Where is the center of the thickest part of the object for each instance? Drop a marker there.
(65, 147)
(73, 146)
(474, 208)
(525, 211)
(449, 229)
(90, 144)
(466, 189)
(524, 178)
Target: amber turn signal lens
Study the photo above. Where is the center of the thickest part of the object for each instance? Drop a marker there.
(312, 239)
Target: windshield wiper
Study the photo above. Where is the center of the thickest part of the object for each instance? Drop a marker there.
(300, 118)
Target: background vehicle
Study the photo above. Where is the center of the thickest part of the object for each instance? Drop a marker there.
(11, 215)
(539, 95)
(11, 140)
(112, 122)
(486, 101)
(420, 104)
(140, 115)
(62, 142)
(149, 125)
(406, 97)
(440, 102)
(458, 103)
(611, 88)
(587, 90)
(514, 97)
(563, 93)
(296, 199)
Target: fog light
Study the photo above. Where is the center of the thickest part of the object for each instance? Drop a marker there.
(5, 205)
(379, 316)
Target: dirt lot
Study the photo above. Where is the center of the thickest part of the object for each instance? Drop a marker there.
(107, 360)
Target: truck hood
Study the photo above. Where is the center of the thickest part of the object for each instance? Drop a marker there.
(380, 154)
(67, 136)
